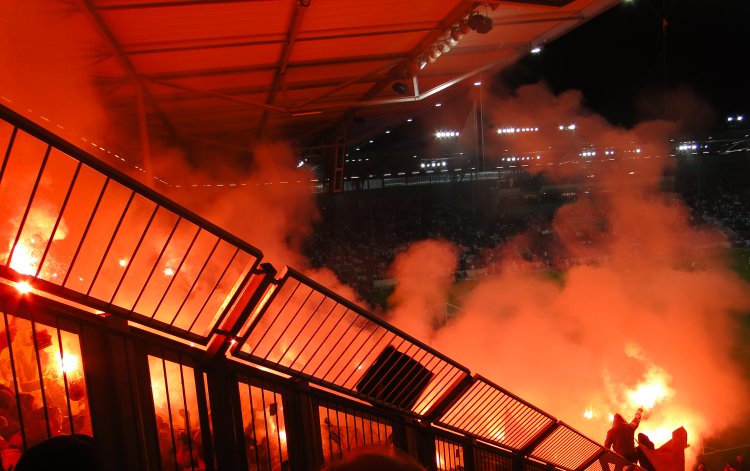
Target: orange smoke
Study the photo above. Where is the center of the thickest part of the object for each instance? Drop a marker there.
(43, 53)
(644, 317)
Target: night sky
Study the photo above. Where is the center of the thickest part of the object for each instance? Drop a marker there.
(625, 58)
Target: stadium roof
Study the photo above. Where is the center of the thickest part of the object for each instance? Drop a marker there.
(228, 72)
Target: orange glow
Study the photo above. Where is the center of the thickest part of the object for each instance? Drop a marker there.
(653, 389)
(23, 287)
(69, 363)
(24, 261)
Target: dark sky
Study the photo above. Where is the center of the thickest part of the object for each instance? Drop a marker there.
(631, 52)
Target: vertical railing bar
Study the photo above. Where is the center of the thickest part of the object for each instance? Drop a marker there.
(377, 327)
(63, 207)
(288, 325)
(407, 377)
(65, 376)
(402, 374)
(176, 271)
(476, 402)
(29, 204)
(441, 386)
(156, 262)
(299, 332)
(327, 421)
(515, 434)
(471, 401)
(336, 361)
(457, 410)
(528, 418)
(346, 427)
(276, 316)
(325, 339)
(485, 418)
(485, 403)
(185, 408)
(361, 346)
(364, 424)
(214, 288)
(265, 424)
(380, 368)
(499, 404)
(310, 337)
(252, 422)
(438, 382)
(6, 157)
(195, 281)
(15, 378)
(449, 378)
(85, 232)
(111, 241)
(278, 425)
(135, 252)
(35, 342)
(169, 408)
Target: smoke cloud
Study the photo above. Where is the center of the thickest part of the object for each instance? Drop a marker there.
(647, 300)
(44, 52)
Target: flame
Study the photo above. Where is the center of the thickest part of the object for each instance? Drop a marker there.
(69, 363)
(24, 261)
(24, 287)
(588, 413)
(651, 390)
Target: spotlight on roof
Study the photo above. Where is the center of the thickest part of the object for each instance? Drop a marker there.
(480, 23)
(400, 88)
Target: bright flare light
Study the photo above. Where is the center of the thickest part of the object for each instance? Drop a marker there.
(588, 413)
(653, 390)
(23, 260)
(23, 287)
(69, 363)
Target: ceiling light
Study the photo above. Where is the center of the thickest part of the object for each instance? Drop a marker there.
(456, 33)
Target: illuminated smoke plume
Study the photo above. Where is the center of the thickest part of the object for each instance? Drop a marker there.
(425, 274)
(646, 313)
(45, 56)
(45, 47)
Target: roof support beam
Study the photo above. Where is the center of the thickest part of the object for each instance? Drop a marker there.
(458, 12)
(143, 96)
(261, 67)
(222, 96)
(279, 79)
